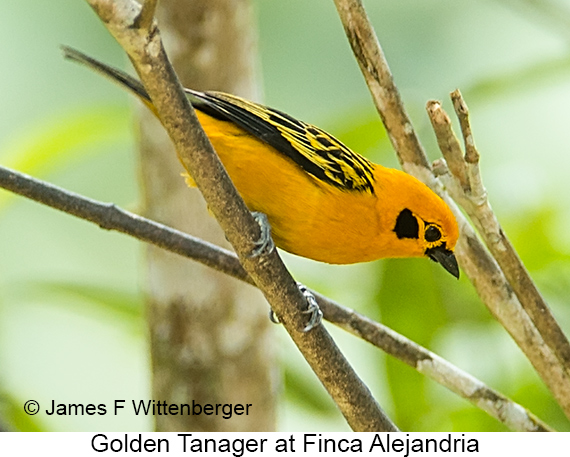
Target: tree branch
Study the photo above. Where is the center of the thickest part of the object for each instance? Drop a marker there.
(374, 67)
(481, 268)
(141, 40)
(548, 341)
(175, 289)
(110, 217)
(474, 201)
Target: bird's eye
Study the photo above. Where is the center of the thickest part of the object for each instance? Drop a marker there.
(432, 234)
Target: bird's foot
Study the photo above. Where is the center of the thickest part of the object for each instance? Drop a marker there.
(265, 244)
(316, 315)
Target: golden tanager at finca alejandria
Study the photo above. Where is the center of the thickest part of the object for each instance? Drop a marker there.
(323, 201)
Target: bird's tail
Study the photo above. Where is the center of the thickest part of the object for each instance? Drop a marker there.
(114, 74)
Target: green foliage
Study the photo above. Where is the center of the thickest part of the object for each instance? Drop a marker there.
(51, 145)
(118, 304)
(306, 392)
(13, 416)
(410, 303)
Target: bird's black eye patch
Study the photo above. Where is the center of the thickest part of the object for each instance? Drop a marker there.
(407, 225)
(432, 234)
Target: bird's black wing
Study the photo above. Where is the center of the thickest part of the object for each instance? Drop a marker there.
(314, 150)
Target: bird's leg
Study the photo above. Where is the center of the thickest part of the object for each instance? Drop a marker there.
(265, 244)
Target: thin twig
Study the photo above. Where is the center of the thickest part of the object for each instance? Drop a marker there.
(144, 47)
(449, 147)
(478, 208)
(110, 217)
(507, 309)
(433, 366)
(479, 266)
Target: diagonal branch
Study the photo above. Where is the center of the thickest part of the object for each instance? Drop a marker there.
(110, 217)
(140, 38)
(374, 67)
(481, 268)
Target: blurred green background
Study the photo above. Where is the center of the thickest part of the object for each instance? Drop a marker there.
(71, 311)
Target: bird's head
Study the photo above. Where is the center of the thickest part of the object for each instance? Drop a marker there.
(422, 223)
(433, 235)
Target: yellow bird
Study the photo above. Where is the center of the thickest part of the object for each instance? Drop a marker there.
(322, 200)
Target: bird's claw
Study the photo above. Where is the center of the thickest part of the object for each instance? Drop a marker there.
(273, 317)
(265, 244)
(316, 315)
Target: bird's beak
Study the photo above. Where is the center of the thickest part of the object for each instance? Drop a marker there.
(445, 257)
